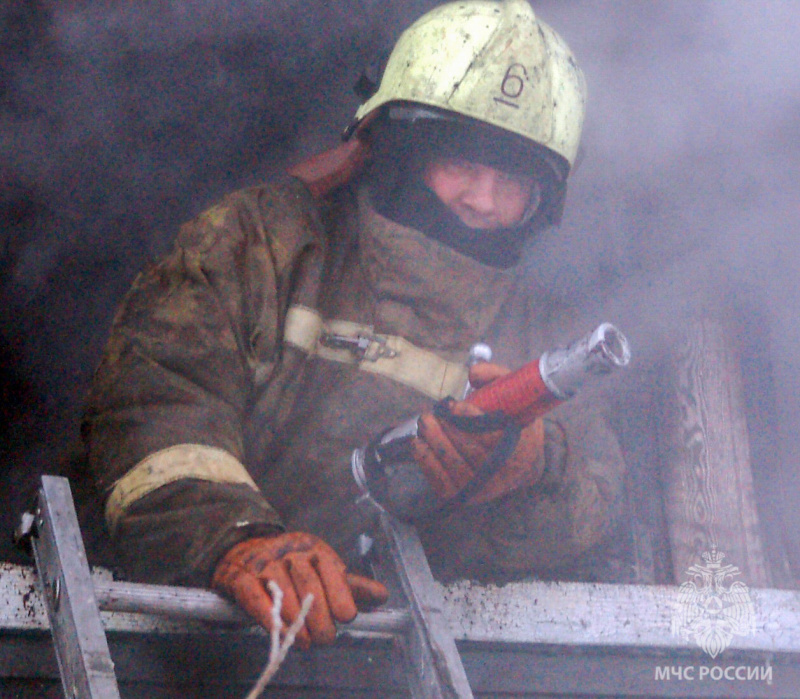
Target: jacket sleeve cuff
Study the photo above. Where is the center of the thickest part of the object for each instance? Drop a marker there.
(176, 513)
(170, 465)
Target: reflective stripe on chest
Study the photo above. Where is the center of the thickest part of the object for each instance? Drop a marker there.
(389, 356)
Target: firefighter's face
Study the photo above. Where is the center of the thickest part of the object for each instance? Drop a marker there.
(481, 196)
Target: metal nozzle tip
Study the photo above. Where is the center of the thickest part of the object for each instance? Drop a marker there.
(610, 341)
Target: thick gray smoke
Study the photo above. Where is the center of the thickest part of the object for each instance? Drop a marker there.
(119, 120)
(686, 203)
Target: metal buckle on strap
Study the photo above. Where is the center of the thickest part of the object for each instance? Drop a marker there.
(365, 346)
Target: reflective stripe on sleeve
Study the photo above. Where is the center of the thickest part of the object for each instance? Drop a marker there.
(168, 466)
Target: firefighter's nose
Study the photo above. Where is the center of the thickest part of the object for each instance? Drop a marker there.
(481, 193)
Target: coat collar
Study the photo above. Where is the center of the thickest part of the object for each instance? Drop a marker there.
(423, 290)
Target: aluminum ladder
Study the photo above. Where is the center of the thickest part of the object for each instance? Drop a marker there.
(73, 602)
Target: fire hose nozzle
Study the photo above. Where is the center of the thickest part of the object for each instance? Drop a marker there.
(556, 376)
(565, 371)
(386, 471)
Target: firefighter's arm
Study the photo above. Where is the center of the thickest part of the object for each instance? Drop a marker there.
(166, 412)
(549, 527)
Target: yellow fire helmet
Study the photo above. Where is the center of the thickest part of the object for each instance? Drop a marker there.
(493, 62)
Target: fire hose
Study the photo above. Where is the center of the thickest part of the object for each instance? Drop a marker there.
(385, 469)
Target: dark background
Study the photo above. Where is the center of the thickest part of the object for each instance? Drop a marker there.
(119, 120)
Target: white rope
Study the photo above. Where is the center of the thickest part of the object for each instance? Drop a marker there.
(278, 651)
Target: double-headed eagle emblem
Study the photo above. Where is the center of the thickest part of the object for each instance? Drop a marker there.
(709, 612)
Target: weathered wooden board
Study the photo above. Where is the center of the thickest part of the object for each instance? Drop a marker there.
(708, 480)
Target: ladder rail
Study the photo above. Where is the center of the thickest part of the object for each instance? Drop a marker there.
(441, 673)
(81, 647)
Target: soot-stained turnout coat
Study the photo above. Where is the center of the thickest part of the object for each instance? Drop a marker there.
(221, 409)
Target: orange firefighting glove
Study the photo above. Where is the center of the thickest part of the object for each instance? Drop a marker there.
(300, 564)
(477, 457)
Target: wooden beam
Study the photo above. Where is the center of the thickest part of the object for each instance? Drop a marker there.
(707, 475)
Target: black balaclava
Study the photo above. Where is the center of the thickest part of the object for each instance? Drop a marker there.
(402, 148)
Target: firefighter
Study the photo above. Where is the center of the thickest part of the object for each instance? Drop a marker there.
(296, 320)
